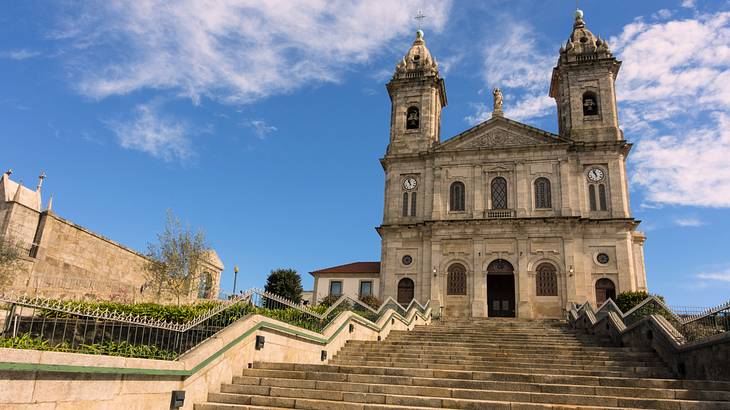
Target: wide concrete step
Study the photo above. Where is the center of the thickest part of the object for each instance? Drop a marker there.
(312, 371)
(436, 397)
(533, 368)
(422, 344)
(425, 386)
(448, 358)
(391, 403)
(496, 355)
(497, 349)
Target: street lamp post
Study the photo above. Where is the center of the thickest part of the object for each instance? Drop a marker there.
(235, 276)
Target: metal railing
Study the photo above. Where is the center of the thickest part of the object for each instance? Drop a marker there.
(690, 323)
(45, 324)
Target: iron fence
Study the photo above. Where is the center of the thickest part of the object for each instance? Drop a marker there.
(45, 324)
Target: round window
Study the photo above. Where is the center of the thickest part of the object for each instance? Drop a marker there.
(602, 258)
(407, 260)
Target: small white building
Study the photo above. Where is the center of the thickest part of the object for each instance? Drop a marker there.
(357, 279)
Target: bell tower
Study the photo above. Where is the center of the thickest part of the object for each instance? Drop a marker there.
(417, 95)
(583, 86)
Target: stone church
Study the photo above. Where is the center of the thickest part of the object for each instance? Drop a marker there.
(505, 219)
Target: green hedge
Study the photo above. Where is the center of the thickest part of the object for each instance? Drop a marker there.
(107, 348)
(168, 313)
(627, 300)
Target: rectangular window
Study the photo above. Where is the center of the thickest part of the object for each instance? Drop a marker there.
(413, 204)
(405, 204)
(592, 196)
(335, 287)
(366, 289)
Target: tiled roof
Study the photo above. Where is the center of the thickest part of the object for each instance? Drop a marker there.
(355, 267)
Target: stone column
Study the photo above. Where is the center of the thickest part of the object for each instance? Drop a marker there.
(522, 280)
(437, 200)
(478, 192)
(436, 297)
(479, 281)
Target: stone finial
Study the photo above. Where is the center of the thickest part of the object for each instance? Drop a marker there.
(497, 94)
(41, 177)
(9, 172)
(50, 203)
(16, 198)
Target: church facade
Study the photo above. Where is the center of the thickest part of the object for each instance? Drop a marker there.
(505, 219)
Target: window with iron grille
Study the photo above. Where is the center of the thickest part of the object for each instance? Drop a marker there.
(547, 280)
(499, 193)
(542, 193)
(456, 280)
(405, 204)
(413, 204)
(602, 197)
(592, 196)
(457, 196)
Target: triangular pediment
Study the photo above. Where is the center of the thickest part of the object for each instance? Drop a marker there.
(499, 132)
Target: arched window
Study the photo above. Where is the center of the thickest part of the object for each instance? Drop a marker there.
(542, 193)
(605, 289)
(413, 204)
(205, 286)
(590, 103)
(413, 118)
(499, 193)
(457, 196)
(602, 197)
(592, 196)
(405, 204)
(456, 280)
(546, 280)
(405, 291)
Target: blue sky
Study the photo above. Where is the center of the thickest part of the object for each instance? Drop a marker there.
(263, 122)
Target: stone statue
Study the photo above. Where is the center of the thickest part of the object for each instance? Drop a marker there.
(497, 93)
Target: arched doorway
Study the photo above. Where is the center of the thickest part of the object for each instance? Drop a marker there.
(500, 289)
(405, 291)
(605, 289)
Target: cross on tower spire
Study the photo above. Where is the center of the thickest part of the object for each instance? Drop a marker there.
(420, 16)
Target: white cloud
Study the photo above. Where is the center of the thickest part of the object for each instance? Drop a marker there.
(153, 134)
(261, 129)
(21, 54)
(720, 276)
(674, 92)
(234, 51)
(690, 4)
(689, 222)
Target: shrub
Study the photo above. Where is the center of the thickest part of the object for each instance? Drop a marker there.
(167, 313)
(371, 301)
(285, 283)
(329, 300)
(627, 300)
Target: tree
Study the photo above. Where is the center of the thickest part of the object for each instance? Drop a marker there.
(11, 252)
(285, 283)
(175, 260)
(627, 300)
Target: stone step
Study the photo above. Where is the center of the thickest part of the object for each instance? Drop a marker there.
(659, 372)
(407, 385)
(479, 353)
(314, 404)
(312, 370)
(440, 358)
(417, 345)
(437, 397)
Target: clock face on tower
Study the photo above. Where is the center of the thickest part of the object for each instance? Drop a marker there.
(595, 174)
(409, 183)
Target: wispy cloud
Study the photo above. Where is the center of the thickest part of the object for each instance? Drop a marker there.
(690, 4)
(674, 90)
(689, 222)
(718, 276)
(517, 64)
(22, 54)
(261, 129)
(233, 51)
(149, 132)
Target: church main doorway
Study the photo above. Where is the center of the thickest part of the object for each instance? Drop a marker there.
(500, 289)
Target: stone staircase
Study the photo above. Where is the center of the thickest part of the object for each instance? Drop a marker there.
(475, 364)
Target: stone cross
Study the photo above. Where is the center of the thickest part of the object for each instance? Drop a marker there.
(420, 16)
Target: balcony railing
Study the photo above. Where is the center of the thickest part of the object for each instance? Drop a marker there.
(499, 213)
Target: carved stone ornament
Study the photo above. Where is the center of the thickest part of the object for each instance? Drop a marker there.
(500, 138)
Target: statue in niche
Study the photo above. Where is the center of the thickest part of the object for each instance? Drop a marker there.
(497, 93)
(412, 118)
